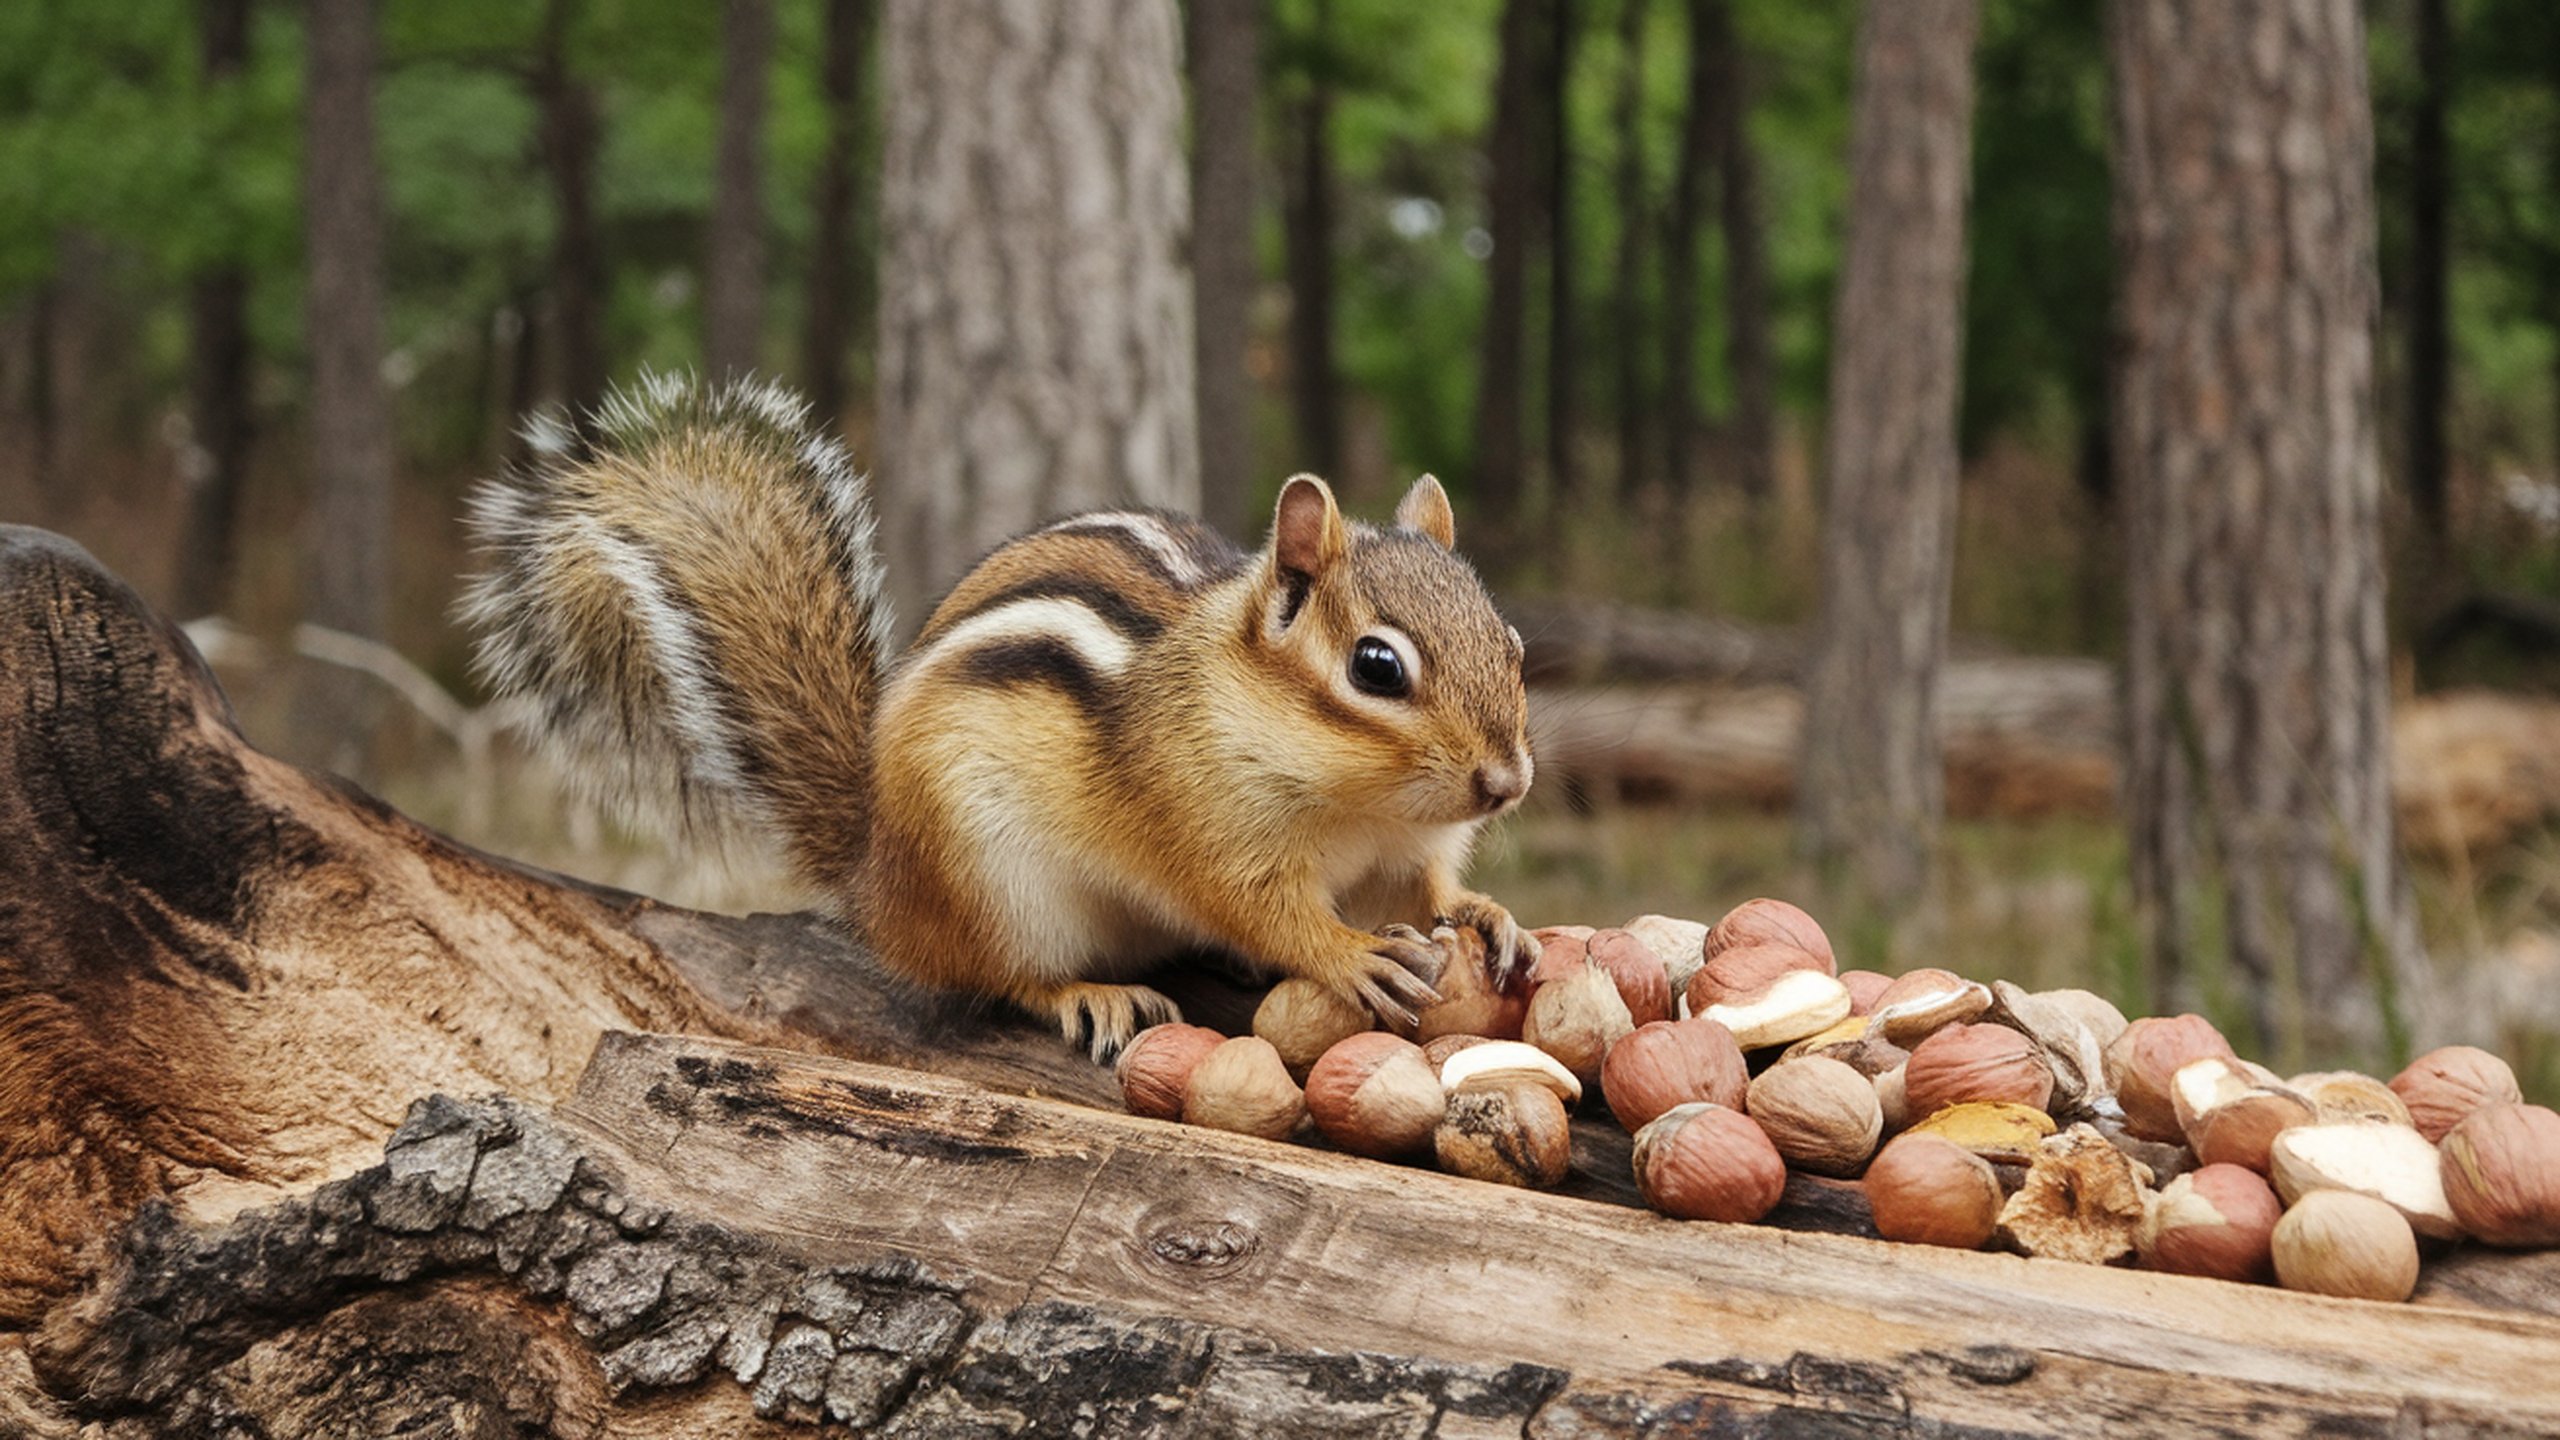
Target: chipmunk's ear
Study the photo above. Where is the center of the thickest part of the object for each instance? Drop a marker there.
(1425, 507)
(1307, 533)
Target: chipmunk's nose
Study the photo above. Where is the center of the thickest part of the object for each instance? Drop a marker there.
(1500, 783)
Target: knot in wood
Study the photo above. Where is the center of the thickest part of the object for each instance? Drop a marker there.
(1203, 1247)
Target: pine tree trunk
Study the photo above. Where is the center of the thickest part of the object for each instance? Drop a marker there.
(1748, 350)
(218, 362)
(1226, 83)
(2257, 672)
(1036, 336)
(1695, 169)
(733, 283)
(349, 515)
(1307, 231)
(1872, 781)
(838, 287)
(568, 138)
(1626, 305)
(1512, 203)
(2430, 332)
(1563, 356)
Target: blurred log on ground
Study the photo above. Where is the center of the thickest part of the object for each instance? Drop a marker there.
(1650, 705)
(224, 982)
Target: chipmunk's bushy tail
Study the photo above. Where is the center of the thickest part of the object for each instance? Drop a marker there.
(689, 607)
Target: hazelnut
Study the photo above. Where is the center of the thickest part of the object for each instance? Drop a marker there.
(1681, 943)
(1643, 981)
(2218, 1221)
(1577, 1019)
(1469, 1005)
(1854, 1043)
(1242, 1086)
(1503, 1062)
(2502, 1174)
(2141, 1061)
(1561, 951)
(2083, 1200)
(1374, 1094)
(1745, 971)
(1303, 1019)
(1926, 1190)
(1668, 1063)
(2442, 1086)
(1156, 1068)
(2231, 1111)
(1891, 1099)
(1708, 1162)
(2391, 1163)
(1770, 922)
(1914, 1015)
(2072, 1027)
(1796, 1004)
(1822, 1115)
(2003, 1132)
(1441, 1047)
(2336, 1242)
(1975, 1062)
(1864, 987)
(1513, 1133)
(2346, 1095)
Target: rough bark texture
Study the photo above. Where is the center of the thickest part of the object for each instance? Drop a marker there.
(733, 279)
(1502, 458)
(1693, 172)
(1564, 357)
(218, 364)
(1871, 801)
(1036, 340)
(1635, 216)
(567, 123)
(2430, 314)
(348, 536)
(1307, 237)
(2257, 671)
(1226, 84)
(1749, 354)
(839, 290)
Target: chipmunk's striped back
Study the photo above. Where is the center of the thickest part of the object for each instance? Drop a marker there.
(708, 532)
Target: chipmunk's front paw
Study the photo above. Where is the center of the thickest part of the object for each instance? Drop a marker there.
(1510, 953)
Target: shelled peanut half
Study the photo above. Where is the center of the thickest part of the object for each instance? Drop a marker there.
(1971, 1114)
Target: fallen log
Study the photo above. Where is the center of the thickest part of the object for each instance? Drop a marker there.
(224, 982)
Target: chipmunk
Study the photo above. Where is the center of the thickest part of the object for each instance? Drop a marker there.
(1118, 739)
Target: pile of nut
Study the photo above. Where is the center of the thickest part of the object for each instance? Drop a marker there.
(1970, 1114)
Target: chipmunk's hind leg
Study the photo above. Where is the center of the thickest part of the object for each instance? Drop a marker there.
(1103, 1018)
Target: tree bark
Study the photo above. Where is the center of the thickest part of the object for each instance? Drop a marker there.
(1036, 335)
(1307, 232)
(1512, 204)
(219, 363)
(1226, 88)
(839, 288)
(1749, 356)
(1695, 170)
(567, 122)
(1564, 358)
(733, 280)
(1635, 216)
(348, 532)
(1872, 793)
(2257, 673)
(2430, 320)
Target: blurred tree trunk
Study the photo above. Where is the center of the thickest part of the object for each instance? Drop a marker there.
(568, 126)
(1036, 337)
(1307, 233)
(733, 283)
(1696, 167)
(1226, 80)
(218, 364)
(349, 533)
(2257, 674)
(1512, 205)
(2430, 334)
(1746, 270)
(838, 287)
(1563, 358)
(1873, 786)
(1626, 306)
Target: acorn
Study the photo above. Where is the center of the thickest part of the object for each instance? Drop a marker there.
(1926, 1190)
(1668, 1063)
(1708, 1162)
(1374, 1094)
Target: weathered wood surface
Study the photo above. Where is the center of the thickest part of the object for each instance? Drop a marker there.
(223, 981)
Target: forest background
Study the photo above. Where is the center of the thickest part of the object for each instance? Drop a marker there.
(1583, 259)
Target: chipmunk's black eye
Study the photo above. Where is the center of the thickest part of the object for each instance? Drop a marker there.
(1377, 668)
